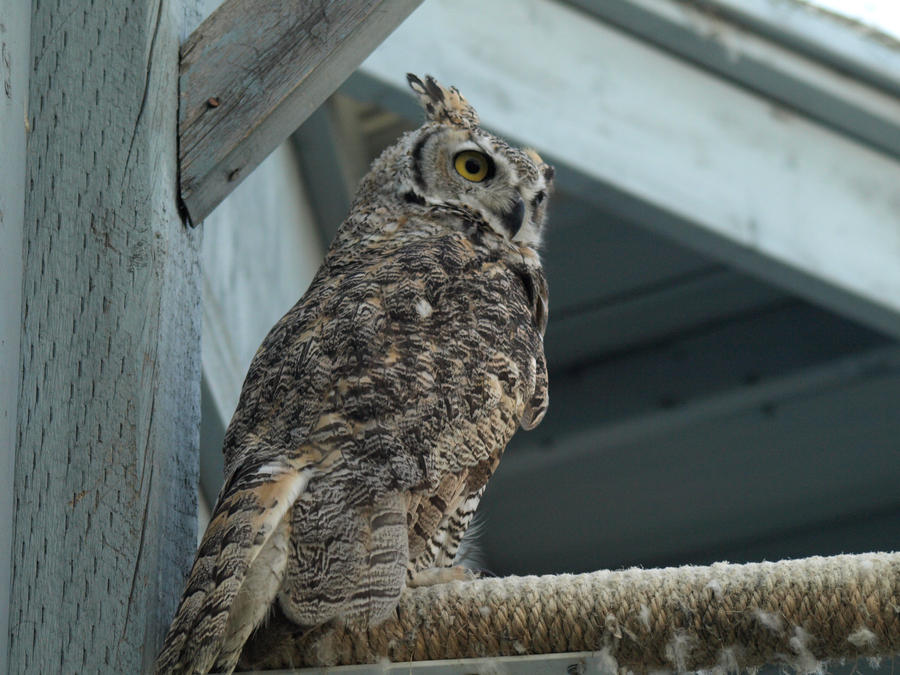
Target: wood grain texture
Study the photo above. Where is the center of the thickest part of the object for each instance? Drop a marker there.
(846, 99)
(106, 472)
(247, 85)
(15, 45)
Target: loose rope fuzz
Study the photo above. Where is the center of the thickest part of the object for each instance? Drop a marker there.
(725, 617)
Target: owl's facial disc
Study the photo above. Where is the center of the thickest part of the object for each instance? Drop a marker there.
(468, 167)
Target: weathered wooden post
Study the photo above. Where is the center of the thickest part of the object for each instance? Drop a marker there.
(15, 38)
(108, 417)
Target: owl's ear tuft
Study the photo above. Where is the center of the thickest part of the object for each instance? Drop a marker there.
(415, 83)
(442, 105)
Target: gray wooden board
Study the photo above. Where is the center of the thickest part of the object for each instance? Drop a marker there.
(260, 251)
(592, 256)
(267, 76)
(316, 143)
(770, 64)
(806, 459)
(614, 284)
(106, 471)
(15, 40)
(705, 362)
(653, 315)
(827, 36)
(212, 437)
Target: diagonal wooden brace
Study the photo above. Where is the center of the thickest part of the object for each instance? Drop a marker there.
(254, 71)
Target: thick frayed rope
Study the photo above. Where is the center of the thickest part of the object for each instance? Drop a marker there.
(723, 617)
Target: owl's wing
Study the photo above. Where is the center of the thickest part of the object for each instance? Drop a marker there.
(535, 284)
(488, 406)
(250, 508)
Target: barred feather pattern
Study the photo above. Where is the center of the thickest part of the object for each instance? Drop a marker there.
(377, 408)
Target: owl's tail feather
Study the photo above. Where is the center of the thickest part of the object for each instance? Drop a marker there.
(241, 558)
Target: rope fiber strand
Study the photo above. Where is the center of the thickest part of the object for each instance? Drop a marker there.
(795, 612)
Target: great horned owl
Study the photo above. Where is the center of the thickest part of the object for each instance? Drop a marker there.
(377, 408)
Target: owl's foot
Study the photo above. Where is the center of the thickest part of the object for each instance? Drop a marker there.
(441, 575)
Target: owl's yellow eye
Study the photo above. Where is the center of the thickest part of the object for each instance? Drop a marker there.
(472, 165)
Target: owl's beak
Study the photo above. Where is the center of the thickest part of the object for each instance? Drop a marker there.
(512, 219)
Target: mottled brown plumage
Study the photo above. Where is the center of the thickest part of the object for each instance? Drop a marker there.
(375, 411)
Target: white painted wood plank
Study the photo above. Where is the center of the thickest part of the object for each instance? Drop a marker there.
(812, 447)
(770, 64)
(623, 324)
(194, 13)
(247, 85)
(852, 47)
(109, 407)
(705, 162)
(699, 380)
(15, 41)
(212, 461)
(260, 251)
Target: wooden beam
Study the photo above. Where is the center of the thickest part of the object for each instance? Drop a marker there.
(330, 163)
(715, 36)
(665, 144)
(109, 405)
(212, 461)
(754, 462)
(254, 71)
(778, 406)
(716, 295)
(15, 41)
(821, 34)
(719, 371)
